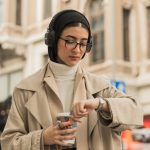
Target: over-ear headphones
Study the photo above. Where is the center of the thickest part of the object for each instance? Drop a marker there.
(50, 35)
(50, 38)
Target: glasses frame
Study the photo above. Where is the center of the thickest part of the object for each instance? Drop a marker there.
(77, 43)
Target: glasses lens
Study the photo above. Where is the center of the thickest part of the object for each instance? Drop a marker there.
(83, 46)
(70, 44)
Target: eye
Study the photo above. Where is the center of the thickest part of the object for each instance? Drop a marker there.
(69, 41)
(83, 44)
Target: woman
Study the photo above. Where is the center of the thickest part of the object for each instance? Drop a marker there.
(100, 110)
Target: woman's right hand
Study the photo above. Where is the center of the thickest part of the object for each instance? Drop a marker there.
(54, 135)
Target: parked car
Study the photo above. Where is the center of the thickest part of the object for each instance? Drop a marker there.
(137, 139)
(141, 135)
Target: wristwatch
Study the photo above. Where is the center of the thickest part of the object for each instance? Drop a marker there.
(100, 105)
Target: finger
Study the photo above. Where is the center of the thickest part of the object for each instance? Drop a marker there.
(67, 137)
(61, 140)
(78, 114)
(67, 131)
(75, 119)
(79, 108)
(82, 108)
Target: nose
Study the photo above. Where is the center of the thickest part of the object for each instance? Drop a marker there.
(77, 47)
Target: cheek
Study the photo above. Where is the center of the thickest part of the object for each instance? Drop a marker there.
(59, 45)
(61, 53)
(60, 49)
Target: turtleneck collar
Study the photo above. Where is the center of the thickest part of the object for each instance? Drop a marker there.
(62, 69)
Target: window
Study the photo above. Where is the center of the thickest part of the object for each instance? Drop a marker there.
(7, 82)
(148, 27)
(31, 13)
(47, 9)
(97, 24)
(98, 47)
(18, 12)
(126, 52)
(1, 11)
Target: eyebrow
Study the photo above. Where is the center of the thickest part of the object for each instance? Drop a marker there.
(75, 37)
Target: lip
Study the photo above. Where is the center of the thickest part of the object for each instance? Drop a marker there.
(74, 57)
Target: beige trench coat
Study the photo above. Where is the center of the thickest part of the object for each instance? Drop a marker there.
(34, 109)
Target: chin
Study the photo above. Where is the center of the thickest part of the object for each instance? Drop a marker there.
(72, 64)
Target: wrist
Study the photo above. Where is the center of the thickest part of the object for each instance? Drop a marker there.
(100, 106)
(46, 137)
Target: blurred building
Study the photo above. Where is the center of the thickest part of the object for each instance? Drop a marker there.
(121, 37)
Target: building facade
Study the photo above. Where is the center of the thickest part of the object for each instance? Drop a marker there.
(121, 37)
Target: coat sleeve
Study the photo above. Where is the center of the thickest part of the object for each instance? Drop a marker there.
(126, 112)
(16, 135)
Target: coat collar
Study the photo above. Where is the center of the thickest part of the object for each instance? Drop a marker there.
(94, 83)
(38, 106)
(33, 82)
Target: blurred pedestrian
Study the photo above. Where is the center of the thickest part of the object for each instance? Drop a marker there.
(63, 85)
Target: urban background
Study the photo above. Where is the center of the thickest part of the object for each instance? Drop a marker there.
(121, 50)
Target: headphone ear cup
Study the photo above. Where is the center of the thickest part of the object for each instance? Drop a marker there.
(89, 45)
(50, 38)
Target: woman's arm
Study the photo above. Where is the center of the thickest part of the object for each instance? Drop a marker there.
(123, 111)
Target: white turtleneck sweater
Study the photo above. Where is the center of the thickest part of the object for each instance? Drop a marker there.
(65, 77)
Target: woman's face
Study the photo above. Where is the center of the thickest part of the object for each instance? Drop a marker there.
(72, 45)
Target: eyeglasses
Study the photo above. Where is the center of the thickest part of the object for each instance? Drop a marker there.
(72, 44)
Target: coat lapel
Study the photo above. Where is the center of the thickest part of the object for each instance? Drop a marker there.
(43, 105)
(92, 118)
(38, 104)
(39, 108)
(79, 95)
(50, 80)
(94, 84)
(52, 85)
(53, 96)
